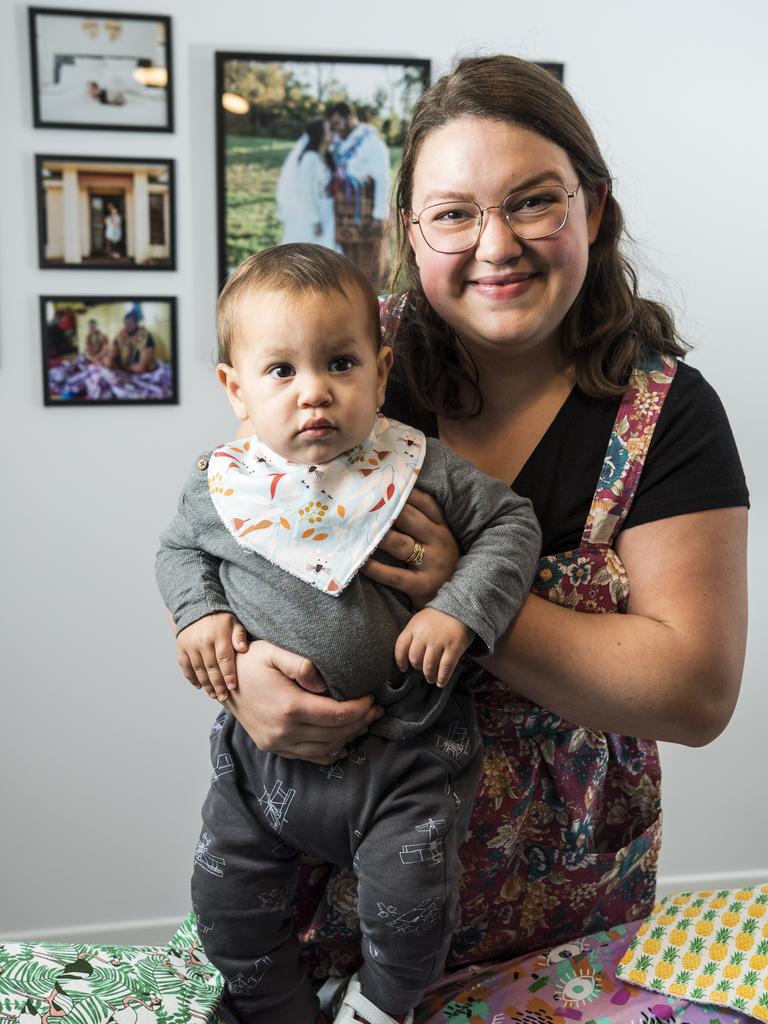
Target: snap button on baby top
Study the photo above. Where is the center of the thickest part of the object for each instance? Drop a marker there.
(202, 463)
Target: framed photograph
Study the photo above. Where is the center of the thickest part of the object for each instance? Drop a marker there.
(558, 70)
(101, 69)
(306, 150)
(95, 213)
(109, 350)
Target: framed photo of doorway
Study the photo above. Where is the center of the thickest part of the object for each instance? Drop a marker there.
(98, 213)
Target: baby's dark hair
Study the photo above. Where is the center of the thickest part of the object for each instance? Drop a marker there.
(296, 268)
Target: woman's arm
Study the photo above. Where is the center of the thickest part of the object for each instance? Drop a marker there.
(670, 669)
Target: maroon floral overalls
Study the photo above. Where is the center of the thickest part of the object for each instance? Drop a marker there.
(565, 831)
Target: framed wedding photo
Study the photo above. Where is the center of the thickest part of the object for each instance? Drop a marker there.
(554, 68)
(307, 147)
(107, 350)
(101, 70)
(99, 213)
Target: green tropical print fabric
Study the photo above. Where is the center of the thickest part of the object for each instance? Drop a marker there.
(75, 983)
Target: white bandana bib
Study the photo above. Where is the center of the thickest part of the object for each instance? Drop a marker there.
(319, 523)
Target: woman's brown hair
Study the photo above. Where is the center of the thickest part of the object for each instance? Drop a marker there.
(609, 327)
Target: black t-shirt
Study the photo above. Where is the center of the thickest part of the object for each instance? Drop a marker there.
(692, 463)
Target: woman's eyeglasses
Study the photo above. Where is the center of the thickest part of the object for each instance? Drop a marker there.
(531, 214)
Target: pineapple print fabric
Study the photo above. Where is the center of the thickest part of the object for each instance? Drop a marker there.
(708, 946)
(75, 983)
(319, 523)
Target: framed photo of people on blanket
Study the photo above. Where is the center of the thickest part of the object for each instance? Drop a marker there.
(109, 350)
(307, 147)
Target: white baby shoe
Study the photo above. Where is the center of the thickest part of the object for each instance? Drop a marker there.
(354, 1000)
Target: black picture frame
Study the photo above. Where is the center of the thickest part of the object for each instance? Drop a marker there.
(274, 127)
(105, 213)
(127, 85)
(554, 68)
(76, 368)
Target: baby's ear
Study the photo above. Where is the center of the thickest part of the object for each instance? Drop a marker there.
(230, 382)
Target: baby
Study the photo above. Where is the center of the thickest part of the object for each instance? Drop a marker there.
(274, 530)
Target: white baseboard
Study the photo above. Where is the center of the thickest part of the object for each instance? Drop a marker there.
(147, 932)
(157, 931)
(667, 884)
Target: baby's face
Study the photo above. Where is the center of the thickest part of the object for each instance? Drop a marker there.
(305, 372)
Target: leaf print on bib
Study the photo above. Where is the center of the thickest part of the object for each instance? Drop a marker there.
(319, 523)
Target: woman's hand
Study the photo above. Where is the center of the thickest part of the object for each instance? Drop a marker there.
(421, 520)
(278, 703)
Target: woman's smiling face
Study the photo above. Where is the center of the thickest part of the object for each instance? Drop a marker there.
(505, 291)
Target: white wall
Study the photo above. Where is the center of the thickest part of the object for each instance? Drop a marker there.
(103, 744)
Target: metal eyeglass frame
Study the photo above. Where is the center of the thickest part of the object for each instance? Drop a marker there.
(416, 219)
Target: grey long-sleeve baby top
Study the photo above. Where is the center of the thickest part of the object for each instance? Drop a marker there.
(350, 637)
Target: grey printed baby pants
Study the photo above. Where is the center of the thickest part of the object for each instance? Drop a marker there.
(396, 811)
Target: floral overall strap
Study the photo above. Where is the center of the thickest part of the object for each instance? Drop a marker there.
(591, 578)
(627, 449)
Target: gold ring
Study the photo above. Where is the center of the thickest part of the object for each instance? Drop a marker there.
(416, 557)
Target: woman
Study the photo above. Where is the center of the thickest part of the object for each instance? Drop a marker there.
(113, 231)
(304, 204)
(522, 343)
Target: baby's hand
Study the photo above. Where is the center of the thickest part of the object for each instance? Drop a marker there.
(433, 642)
(207, 651)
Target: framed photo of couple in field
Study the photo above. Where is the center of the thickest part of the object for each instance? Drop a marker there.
(307, 147)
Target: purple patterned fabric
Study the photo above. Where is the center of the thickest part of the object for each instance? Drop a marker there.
(81, 380)
(571, 982)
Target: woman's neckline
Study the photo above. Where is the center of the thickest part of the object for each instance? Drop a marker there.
(493, 462)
